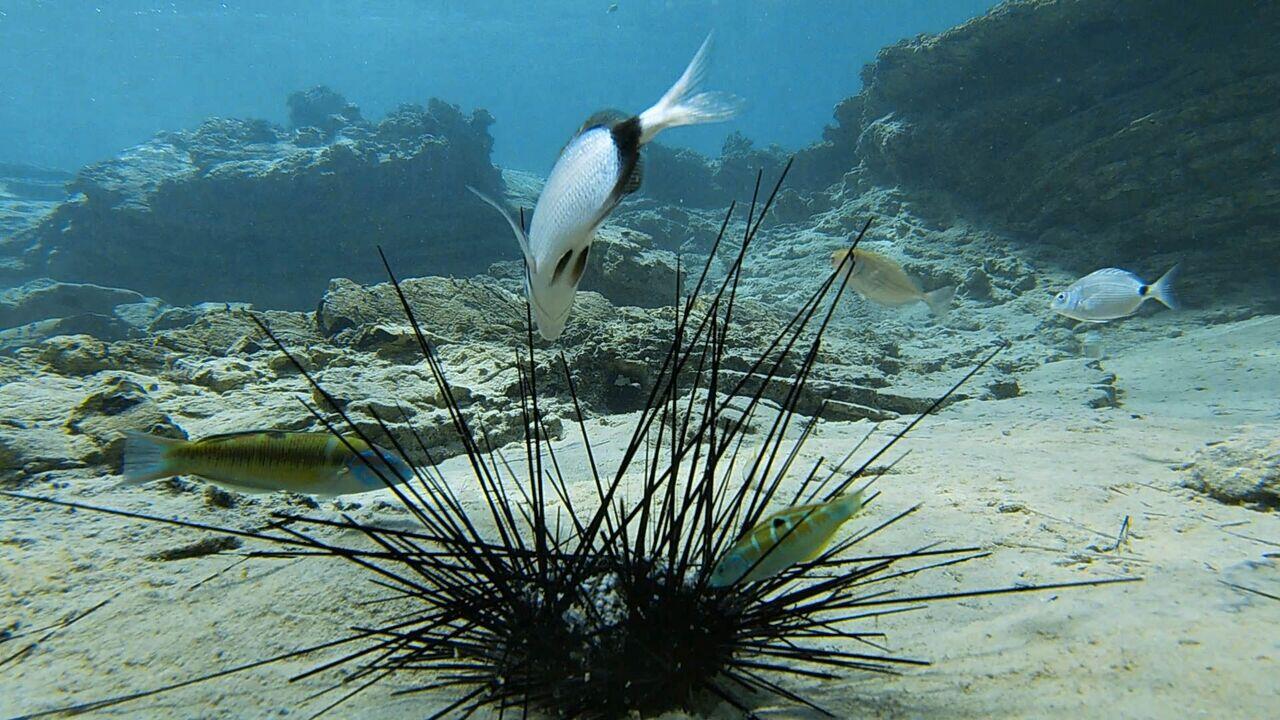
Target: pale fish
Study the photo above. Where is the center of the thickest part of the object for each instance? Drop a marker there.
(316, 463)
(881, 280)
(797, 534)
(1112, 293)
(595, 170)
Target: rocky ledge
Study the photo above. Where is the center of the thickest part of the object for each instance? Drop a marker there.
(1109, 133)
(245, 210)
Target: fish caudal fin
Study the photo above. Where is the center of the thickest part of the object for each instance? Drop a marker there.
(849, 505)
(1162, 289)
(939, 301)
(145, 457)
(684, 105)
(521, 237)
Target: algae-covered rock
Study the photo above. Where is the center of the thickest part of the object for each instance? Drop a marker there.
(116, 404)
(1101, 129)
(447, 310)
(1242, 470)
(626, 268)
(225, 211)
(44, 299)
(74, 355)
(32, 439)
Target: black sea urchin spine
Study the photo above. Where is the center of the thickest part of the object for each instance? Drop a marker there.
(609, 611)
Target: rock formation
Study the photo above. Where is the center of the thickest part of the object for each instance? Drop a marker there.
(1113, 133)
(27, 194)
(245, 210)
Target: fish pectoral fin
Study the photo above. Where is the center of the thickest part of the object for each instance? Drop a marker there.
(521, 237)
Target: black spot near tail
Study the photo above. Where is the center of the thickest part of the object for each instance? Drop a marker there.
(626, 137)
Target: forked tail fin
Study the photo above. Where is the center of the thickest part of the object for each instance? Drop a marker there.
(939, 301)
(684, 105)
(145, 457)
(1162, 289)
(850, 505)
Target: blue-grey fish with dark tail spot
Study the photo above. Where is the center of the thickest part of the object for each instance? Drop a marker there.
(599, 166)
(1112, 293)
(314, 463)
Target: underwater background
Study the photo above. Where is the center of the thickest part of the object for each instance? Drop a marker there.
(167, 167)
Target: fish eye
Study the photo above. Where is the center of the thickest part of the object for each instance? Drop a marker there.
(1060, 296)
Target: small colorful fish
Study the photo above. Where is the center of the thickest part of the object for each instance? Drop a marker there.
(1112, 293)
(882, 280)
(599, 166)
(773, 545)
(315, 463)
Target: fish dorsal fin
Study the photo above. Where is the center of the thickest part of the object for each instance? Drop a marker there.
(519, 232)
(602, 118)
(606, 118)
(224, 437)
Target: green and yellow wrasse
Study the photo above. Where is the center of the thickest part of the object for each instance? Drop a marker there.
(315, 463)
(791, 536)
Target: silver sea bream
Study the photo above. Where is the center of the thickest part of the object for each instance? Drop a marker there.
(596, 169)
(1112, 293)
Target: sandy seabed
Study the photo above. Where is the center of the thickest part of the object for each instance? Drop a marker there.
(1042, 480)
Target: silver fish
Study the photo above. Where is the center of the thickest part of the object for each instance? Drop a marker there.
(595, 170)
(1112, 293)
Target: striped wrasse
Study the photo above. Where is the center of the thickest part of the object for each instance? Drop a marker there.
(794, 535)
(316, 463)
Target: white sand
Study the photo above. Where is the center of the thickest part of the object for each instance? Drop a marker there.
(1041, 480)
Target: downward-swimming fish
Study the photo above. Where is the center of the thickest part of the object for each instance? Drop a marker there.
(599, 166)
(791, 536)
(316, 463)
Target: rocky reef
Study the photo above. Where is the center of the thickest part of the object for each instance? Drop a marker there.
(245, 210)
(27, 194)
(680, 176)
(198, 370)
(1105, 133)
(1241, 470)
(980, 168)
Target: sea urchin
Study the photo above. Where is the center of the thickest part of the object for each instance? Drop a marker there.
(541, 606)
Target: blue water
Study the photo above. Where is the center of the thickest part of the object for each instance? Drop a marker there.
(83, 79)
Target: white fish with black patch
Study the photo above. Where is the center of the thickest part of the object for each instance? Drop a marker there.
(1112, 293)
(595, 170)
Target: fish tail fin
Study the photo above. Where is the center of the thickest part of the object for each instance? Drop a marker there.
(851, 504)
(1162, 289)
(683, 104)
(521, 237)
(939, 301)
(146, 457)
